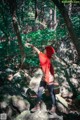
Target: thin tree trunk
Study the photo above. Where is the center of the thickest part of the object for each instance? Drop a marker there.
(55, 26)
(36, 10)
(15, 25)
(55, 23)
(51, 12)
(42, 12)
(69, 25)
(70, 8)
(55, 19)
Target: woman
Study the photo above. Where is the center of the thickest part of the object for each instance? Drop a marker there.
(48, 72)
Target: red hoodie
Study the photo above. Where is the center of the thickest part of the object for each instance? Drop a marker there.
(46, 64)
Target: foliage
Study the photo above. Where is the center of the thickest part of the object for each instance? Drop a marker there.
(36, 31)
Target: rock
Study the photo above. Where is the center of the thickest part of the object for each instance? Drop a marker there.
(9, 112)
(39, 115)
(43, 107)
(23, 116)
(34, 83)
(3, 105)
(17, 75)
(20, 103)
(25, 89)
(6, 109)
(74, 81)
(54, 116)
(62, 104)
(10, 77)
(65, 92)
(62, 108)
(8, 70)
(4, 116)
(62, 100)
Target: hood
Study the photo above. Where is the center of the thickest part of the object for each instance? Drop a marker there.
(49, 51)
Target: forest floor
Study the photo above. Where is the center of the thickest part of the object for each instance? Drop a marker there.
(66, 110)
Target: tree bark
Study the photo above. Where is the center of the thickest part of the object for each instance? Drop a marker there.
(42, 12)
(55, 19)
(15, 25)
(69, 25)
(70, 8)
(36, 10)
(55, 23)
(13, 7)
(51, 12)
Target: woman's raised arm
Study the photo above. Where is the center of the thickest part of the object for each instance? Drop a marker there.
(32, 46)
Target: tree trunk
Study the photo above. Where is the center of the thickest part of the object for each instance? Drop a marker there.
(15, 25)
(42, 12)
(70, 8)
(13, 7)
(55, 19)
(69, 25)
(51, 12)
(36, 10)
(55, 23)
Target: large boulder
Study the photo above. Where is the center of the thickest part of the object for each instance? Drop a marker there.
(35, 81)
(23, 116)
(19, 103)
(62, 104)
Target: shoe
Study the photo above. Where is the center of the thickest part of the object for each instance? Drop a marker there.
(53, 110)
(36, 108)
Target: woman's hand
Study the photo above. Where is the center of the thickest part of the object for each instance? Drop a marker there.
(32, 46)
(28, 45)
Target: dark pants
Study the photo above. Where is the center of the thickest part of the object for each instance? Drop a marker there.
(50, 89)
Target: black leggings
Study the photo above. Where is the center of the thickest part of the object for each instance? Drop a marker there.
(51, 91)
